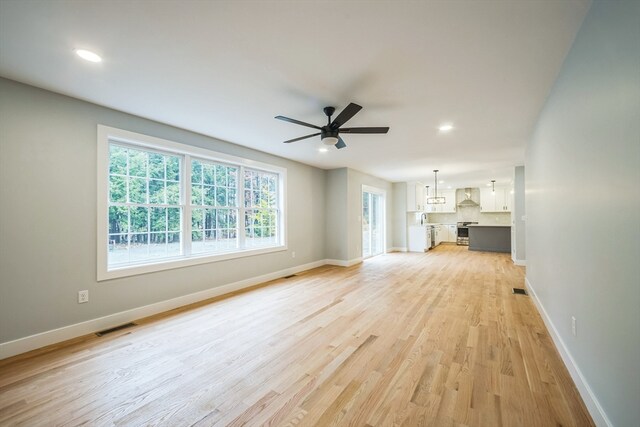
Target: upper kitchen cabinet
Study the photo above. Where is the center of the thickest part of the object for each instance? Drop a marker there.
(415, 197)
(495, 201)
(450, 202)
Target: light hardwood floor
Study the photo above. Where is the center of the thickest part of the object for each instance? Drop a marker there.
(432, 339)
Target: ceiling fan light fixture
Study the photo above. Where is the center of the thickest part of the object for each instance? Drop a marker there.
(330, 140)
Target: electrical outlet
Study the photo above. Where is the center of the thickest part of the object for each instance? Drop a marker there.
(293, 254)
(83, 296)
(574, 326)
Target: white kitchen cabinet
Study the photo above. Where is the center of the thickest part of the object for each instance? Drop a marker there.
(438, 230)
(450, 201)
(447, 233)
(508, 199)
(487, 200)
(498, 201)
(415, 197)
(452, 233)
(419, 238)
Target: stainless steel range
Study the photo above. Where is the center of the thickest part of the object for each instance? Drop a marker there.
(463, 233)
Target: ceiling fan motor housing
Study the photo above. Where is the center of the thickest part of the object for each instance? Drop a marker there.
(328, 132)
(329, 111)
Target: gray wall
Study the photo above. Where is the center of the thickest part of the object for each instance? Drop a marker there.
(518, 229)
(583, 206)
(48, 215)
(336, 189)
(400, 215)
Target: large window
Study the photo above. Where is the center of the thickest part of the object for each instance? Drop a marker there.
(163, 204)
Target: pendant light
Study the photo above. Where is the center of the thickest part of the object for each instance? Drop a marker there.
(493, 186)
(435, 200)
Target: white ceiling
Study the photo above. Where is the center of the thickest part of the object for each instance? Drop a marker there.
(226, 68)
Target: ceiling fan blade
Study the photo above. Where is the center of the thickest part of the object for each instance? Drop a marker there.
(346, 114)
(298, 122)
(365, 130)
(302, 137)
(340, 144)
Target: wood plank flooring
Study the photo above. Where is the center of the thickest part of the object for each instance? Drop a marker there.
(434, 339)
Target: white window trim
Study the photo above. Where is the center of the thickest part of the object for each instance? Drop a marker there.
(106, 133)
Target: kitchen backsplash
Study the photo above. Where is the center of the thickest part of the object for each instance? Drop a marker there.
(471, 215)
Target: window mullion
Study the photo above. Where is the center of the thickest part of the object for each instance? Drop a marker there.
(128, 195)
(149, 202)
(241, 209)
(186, 203)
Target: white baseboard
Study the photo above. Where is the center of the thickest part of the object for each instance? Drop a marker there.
(520, 262)
(593, 405)
(32, 342)
(343, 263)
(397, 249)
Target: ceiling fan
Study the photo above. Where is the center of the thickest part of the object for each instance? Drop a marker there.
(330, 134)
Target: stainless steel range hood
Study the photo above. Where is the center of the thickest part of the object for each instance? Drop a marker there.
(467, 202)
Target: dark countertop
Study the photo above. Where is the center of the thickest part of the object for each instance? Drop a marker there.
(488, 225)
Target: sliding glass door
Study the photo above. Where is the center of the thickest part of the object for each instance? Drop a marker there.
(373, 214)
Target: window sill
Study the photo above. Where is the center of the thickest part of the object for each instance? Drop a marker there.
(126, 271)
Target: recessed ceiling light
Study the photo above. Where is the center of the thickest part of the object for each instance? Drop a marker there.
(449, 187)
(445, 127)
(489, 185)
(323, 149)
(441, 182)
(87, 55)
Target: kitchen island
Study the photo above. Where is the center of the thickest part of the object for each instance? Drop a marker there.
(490, 238)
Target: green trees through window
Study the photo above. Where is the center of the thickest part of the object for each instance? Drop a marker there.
(261, 208)
(214, 216)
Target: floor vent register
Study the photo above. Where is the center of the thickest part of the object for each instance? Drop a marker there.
(115, 329)
(519, 291)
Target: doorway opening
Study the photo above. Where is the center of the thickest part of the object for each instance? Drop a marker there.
(373, 221)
